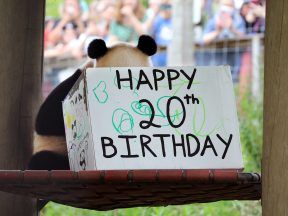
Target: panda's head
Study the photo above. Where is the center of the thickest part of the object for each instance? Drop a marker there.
(123, 54)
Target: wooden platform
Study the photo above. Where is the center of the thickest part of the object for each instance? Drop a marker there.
(106, 190)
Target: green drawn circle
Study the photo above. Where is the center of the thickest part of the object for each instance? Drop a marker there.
(123, 124)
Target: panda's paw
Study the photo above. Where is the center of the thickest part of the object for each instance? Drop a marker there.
(47, 160)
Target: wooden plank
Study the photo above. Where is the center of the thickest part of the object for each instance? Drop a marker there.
(21, 43)
(275, 150)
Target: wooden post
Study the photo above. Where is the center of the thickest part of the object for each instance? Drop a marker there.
(181, 49)
(275, 149)
(21, 48)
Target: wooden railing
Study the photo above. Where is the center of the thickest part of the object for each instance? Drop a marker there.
(252, 43)
(243, 42)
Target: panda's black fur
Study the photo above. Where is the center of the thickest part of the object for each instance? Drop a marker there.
(50, 151)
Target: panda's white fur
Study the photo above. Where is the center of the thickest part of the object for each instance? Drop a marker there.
(124, 55)
(56, 144)
(118, 55)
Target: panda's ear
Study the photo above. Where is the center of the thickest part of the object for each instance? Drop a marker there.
(147, 45)
(97, 48)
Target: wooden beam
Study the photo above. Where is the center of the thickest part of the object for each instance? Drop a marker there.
(275, 149)
(21, 48)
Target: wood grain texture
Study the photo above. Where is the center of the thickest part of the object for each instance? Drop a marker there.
(275, 150)
(113, 189)
(21, 48)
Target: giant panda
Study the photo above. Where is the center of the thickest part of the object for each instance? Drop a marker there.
(50, 150)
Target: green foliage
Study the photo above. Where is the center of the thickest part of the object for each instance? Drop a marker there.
(251, 132)
(223, 208)
(52, 7)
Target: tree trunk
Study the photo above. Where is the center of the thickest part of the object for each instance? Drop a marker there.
(21, 45)
(275, 150)
(180, 51)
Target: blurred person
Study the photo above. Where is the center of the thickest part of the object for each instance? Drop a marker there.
(128, 23)
(162, 32)
(85, 10)
(99, 22)
(68, 44)
(227, 23)
(49, 24)
(153, 8)
(207, 7)
(70, 13)
(238, 3)
(151, 13)
(101, 14)
(253, 13)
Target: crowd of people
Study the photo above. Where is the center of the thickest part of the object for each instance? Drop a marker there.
(125, 20)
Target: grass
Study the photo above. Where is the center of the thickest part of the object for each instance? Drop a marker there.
(223, 208)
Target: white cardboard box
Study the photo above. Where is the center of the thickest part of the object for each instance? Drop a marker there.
(108, 115)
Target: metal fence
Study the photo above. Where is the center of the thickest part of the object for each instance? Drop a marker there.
(244, 55)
